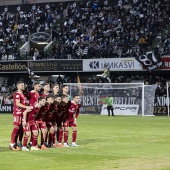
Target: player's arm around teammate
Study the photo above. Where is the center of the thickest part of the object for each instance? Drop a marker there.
(30, 126)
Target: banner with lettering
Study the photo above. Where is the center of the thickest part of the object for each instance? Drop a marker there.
(115, 64)
(130, 110)
(166, 61)
(13, 66)
(161, 106)
(95, 104)
(6, 106)
(150, 61)
(55, 65)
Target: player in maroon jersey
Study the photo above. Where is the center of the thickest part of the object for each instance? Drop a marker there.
(60, 115)
(18, 109)
(34, 94)
(57, 100)
(73, 112)
(30, 126)
(56, 92)
(40, 119)
(49, 121)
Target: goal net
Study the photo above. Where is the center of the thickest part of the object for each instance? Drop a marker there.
(128, 98)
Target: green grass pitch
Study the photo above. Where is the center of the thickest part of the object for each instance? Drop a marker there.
(106, 143)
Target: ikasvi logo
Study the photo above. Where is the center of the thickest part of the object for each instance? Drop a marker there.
(94, 64)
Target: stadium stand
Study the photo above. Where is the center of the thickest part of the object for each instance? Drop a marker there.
(88, 29)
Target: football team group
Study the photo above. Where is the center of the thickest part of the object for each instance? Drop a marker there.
(42, 119)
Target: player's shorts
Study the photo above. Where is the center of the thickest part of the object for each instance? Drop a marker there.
(17, 119)
(72, 124)
(30, 127)
(41, 124)
(69, 123)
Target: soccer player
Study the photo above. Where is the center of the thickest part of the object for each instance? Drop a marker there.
(40, 119)
(33, 97)
(65, 90)
(46, 88)
(56, 89)
(34, 94)
(49, 120)
(18, 109)
(60, 115)
(30, 126)
(73, 112)
(56, 92)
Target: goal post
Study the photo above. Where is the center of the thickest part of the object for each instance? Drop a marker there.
(128, 98)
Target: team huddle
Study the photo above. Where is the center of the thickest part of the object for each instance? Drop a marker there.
(43, 115)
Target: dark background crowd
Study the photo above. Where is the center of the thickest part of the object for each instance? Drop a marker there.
(89, 29)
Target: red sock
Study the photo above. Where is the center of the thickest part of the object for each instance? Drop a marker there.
(65, 136)
(34, 140)
(25, 140)
(60, 136)
(14, 135)
(74, 136)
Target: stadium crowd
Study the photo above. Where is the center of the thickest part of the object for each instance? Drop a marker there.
(90, 29)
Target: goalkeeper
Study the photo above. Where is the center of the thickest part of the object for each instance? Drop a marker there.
(109, 102)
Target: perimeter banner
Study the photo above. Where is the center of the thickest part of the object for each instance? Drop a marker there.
(55, 65)
(130, 110)
(115, 64)
(6, 106)
(13, 66)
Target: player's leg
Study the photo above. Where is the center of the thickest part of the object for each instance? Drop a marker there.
(14, 135)
(66, 129)
(112, 111)
(60, 129)
(26, 137)
(52, 136)
(43, 128)
(74, 133)
(55, 130)
(108, 109)
(21, 133)
(34, 130)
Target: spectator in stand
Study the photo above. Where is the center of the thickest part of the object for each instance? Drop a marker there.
(92, 29)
